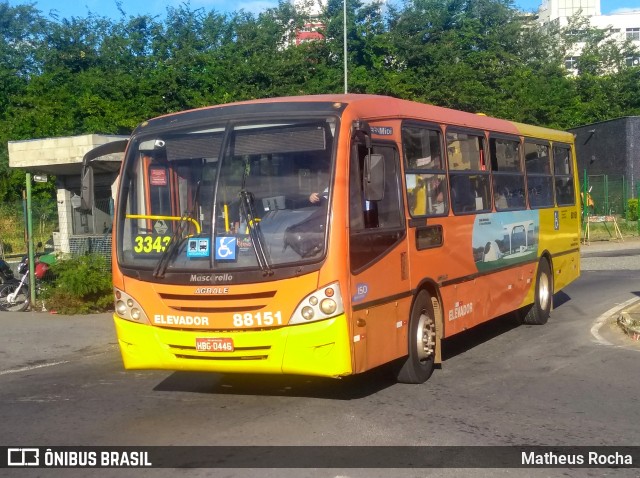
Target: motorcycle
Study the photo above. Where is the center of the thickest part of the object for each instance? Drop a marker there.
(15, 295)
(6, 274)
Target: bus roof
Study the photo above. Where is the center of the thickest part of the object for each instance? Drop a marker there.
(363, 106)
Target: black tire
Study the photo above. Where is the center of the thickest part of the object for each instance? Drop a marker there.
(20, 303)
(418, 366)
(538, 312)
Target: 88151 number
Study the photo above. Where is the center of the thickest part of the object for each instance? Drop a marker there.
(260, 319)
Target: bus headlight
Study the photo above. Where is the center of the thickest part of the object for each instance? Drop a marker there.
(307, 313)
(121, 308)
(319, 305)
(328, 306)
(128, 308)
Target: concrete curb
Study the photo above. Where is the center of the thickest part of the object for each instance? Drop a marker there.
(629, 321)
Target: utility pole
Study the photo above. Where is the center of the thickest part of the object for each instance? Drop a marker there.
(344, 34)
(32, 278)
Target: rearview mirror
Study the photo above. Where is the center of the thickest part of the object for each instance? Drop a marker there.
(373, 179)
(86, 190)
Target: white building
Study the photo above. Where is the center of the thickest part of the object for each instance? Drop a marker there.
(623, 25)
(310, 30)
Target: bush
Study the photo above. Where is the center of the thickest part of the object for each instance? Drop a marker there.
(632, 210)
(82, 285)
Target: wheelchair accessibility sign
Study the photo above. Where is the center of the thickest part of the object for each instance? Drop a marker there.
(226, 248)
(198, 247)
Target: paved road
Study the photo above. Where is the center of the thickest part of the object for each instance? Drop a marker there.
(62, 383)
(611, 255)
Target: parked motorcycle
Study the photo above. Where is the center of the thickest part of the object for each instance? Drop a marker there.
(15, 295)
(6, 274)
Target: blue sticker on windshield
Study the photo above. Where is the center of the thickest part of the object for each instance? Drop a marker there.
(226, 248)
(198, 247)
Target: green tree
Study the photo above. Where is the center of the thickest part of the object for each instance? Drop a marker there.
(22, 30)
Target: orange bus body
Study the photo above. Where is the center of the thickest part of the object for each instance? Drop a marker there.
(446, 258)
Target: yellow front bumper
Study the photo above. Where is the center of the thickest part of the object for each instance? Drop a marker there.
(318, 348)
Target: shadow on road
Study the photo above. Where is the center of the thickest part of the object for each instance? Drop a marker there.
(560, 298)
(482, 333)
(347, 388)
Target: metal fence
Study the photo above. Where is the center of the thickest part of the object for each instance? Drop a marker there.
(85, 233)
(608, 193)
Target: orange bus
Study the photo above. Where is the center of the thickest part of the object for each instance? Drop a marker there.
(328, 235)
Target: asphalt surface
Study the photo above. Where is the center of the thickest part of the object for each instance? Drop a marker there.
(39, 339)
(73, 391)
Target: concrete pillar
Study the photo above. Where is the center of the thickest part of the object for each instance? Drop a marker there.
(65, 218)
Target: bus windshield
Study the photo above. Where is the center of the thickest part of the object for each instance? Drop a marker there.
(228, 197)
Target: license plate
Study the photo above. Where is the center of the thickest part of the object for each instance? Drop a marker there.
(206, 344)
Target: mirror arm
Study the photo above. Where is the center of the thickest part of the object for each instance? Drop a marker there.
(361, 132)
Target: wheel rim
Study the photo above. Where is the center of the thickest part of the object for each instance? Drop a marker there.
(14, 305)
(544, 291)
(426, 338)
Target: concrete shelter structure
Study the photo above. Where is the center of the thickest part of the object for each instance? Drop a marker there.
(79, 231)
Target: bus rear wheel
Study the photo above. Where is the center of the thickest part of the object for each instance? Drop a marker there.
(538, 312)
(418, 366)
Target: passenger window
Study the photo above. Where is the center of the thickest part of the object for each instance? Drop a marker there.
(537, 159)
(539, 179)
(508, 178)
(422, 148)
(426, 179)
(468, 173)
(565, 194)
(465, 152)
(427, 194)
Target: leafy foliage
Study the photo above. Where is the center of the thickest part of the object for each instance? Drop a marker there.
(632, 210)
(81, 285)
(62, 77)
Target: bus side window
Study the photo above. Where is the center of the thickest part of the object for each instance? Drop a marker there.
(565, 195)
(539, 179)
(508, 177)
(426, 179)
(468, 173)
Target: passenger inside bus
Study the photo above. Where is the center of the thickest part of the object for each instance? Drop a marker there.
(462, 193)
(501, 199)
(436, 195)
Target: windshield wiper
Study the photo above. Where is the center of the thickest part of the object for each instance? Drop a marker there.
(257, 239)
(176, 239)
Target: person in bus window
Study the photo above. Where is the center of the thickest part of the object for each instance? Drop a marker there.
(321, 178)
(501, 199)
(315, 198)
(436, 194)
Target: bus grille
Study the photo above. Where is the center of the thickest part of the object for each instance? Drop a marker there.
(218, 303)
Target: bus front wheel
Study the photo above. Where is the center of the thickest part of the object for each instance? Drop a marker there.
(538, 312)
(418, 365)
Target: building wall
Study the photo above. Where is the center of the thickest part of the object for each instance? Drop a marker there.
(611, 148)
(552, 9)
